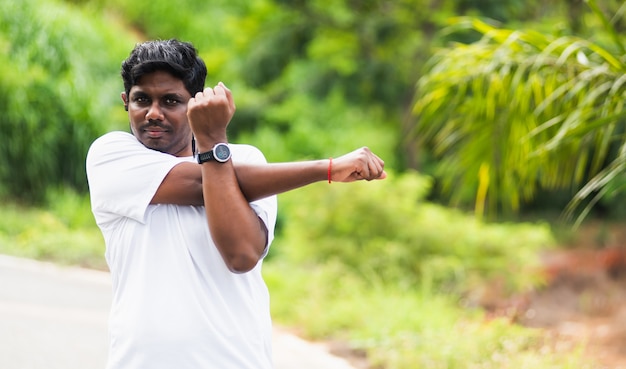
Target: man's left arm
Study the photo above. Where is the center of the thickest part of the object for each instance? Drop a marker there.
(183, 184)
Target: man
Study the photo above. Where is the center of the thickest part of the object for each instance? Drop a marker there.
(187, 218)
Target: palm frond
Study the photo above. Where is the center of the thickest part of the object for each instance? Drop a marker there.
(538, 111)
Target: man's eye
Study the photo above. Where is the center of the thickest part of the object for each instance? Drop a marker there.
(140, 100)
(171, 101)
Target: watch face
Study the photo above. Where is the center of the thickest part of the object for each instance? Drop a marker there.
(222, 152)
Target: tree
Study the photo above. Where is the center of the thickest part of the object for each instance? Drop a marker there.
(55, 95)
(519, 111)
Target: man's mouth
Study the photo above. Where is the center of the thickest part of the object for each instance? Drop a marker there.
(154, 131)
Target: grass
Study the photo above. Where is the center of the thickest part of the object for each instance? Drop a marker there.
(396, 326)
(64, 233)
(406, 329)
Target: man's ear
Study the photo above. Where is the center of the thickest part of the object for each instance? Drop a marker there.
(125, 100)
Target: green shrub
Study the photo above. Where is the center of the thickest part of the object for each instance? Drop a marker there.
(384, 230)
(399, 329)
(375, 265)
(399, 279)
(298, 128)
(56, 94)
(66, 233)
(71, 208)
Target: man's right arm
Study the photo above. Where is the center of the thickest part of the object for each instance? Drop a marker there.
(183, 184)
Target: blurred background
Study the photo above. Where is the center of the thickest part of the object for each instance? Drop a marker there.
(498, 239)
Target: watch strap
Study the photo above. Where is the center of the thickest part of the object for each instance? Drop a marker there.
(203, 157)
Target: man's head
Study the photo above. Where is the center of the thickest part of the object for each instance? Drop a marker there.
(159, 79)
(178, 58)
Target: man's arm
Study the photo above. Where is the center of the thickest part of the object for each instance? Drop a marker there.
(239, 234)
(183, 184)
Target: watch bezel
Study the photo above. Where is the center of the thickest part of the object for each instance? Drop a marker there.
(210, 155)
(215, 150)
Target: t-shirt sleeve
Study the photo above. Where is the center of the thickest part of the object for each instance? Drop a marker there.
(124, 175)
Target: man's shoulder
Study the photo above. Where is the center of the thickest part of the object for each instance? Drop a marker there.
(243, 148)
(114, 136)
(246, 153)
(112, 140)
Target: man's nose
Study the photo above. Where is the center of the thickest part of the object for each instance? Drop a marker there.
(154, 113)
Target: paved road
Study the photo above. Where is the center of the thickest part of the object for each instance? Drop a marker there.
(54, 317)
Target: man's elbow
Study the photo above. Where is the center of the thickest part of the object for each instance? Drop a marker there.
(242, 263)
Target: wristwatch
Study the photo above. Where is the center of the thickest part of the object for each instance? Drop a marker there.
(220, 153)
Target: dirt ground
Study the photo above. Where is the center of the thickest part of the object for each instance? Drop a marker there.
(585, 306)
(584, 301)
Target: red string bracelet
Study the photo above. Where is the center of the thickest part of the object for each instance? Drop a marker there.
(330, 168)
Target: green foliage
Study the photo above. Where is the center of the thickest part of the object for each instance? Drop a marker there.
(385, 231)
(54, 95)
(70, 207)
(304, 127)
(400, 329)
(532, 110)
(503, 11)
(375, 265)
(65, 234)
(366, 50)
(205, 24)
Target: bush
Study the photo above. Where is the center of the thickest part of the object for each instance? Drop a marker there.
(65, 233)
(56, 92)
(399, 330)
(298, 128)
(383, 230)
(374, 265)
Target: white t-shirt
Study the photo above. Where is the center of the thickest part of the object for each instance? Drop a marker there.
(175, 303)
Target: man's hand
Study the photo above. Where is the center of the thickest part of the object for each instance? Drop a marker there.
(356, 165)
(209, 113)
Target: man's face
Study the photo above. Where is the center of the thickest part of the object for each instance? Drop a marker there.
(157, 109)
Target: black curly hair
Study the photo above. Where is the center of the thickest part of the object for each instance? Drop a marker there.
(176, 57)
